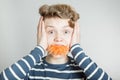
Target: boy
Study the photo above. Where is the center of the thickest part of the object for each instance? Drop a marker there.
(58, 34)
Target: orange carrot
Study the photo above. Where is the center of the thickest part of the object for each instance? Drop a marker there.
(58, 49)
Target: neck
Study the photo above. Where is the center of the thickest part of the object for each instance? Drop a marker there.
(56, 59)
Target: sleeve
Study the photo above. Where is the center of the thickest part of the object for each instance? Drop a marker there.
(18, 70)
(90, 68)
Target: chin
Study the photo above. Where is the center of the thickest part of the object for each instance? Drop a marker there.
(58, 56)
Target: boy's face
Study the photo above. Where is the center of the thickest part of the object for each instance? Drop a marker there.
(58, 31)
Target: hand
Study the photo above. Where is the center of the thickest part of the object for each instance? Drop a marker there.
(41, 34)
(76, 35)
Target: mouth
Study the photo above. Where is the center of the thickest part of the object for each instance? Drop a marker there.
(58, 49)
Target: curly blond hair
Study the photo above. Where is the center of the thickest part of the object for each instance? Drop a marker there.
(62, 11)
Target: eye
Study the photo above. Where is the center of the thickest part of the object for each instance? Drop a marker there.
(50, 32)
(66, 32)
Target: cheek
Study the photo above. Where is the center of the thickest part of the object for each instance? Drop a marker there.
(68, 38)
(50, 39)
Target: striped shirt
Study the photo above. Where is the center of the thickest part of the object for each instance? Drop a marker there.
(45, 70)
(35, 67)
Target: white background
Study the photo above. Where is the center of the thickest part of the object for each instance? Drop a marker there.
(99, 22)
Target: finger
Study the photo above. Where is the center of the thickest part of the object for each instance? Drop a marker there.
(39, 24)
(75, 30)
(39, 30)
(43, 27)
(77, 27)
(78, 31)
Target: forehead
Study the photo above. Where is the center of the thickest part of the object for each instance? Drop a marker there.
(56, 22)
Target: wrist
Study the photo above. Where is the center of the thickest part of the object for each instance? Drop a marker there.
(74, 45)
(74, 49)
(41, 48)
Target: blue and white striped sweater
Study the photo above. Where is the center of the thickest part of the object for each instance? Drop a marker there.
(34, 67)
(44, 70)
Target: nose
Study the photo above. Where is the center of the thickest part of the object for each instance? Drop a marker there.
(58, 37)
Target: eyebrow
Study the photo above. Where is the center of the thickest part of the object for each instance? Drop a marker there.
(49, 26)
(53, 26)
